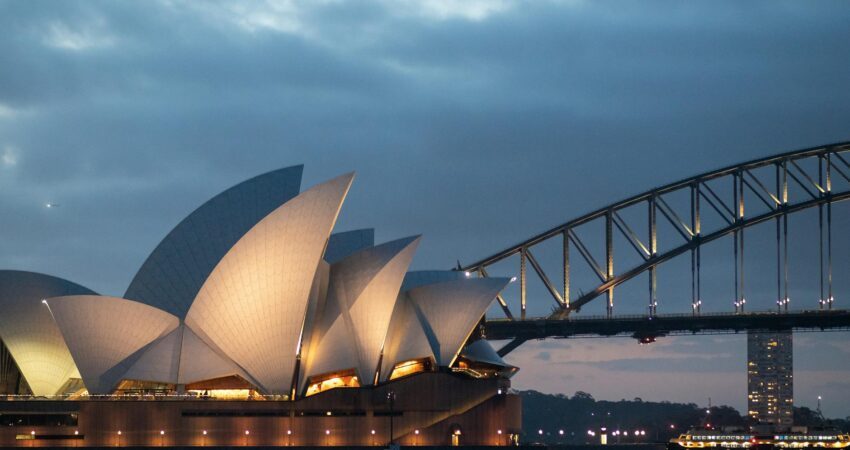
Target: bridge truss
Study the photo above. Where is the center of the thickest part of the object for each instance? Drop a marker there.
(741, 196)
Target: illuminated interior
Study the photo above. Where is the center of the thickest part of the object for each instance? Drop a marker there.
(406, 368)
(231, 387)
(140, 387)
(478, 369)
(341, 379)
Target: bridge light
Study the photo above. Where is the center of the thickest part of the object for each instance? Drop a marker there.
(513, 279)
(467, 274)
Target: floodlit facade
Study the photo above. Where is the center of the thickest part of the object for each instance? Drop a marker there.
(253, 299)
(30, 334)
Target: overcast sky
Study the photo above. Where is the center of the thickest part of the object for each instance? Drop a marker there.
(476, 124)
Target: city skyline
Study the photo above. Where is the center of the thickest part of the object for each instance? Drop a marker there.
(491, 122)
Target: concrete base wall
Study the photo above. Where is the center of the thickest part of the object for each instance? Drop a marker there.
(435, 404)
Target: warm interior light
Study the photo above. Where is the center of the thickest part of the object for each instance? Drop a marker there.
(343, 379)
(411, 367)
(226, 394)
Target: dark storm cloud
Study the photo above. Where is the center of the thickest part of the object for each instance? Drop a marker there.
(474, 123)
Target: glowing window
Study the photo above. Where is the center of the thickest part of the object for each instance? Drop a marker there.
(411, 367)
(343, 379)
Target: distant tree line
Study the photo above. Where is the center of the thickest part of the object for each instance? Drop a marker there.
(565, 419)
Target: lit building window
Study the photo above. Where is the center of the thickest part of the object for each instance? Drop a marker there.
(343, 379)
(411, 367)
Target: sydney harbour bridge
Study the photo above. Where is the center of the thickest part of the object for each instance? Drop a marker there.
(674, 225)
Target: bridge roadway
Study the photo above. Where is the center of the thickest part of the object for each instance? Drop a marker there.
(646, 328)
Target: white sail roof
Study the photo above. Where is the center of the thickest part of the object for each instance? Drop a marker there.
(449, 310)
(29, 332)
(345, 243)
(200, 362)
(107, 335)
(175, 271)
(335, 351)
(482, 351)
(363, 287)
(254, 303)
(406, 340)
(418, 278)
(159, 361)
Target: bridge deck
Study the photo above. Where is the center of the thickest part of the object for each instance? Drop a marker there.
(661, 325)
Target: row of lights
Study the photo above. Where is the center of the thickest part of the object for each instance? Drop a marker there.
(626, 433)
(618, 432)
(696, 304)
(288, 432)
(540, 432)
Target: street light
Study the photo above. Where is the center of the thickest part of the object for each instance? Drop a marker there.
(391, 400)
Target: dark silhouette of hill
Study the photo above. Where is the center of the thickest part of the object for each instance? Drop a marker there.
(659, 421)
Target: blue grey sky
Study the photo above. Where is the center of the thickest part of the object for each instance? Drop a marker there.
(475, 123)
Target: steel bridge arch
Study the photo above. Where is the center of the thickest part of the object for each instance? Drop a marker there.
(832, 160)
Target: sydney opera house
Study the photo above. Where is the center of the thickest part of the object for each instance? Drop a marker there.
(255, 323)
